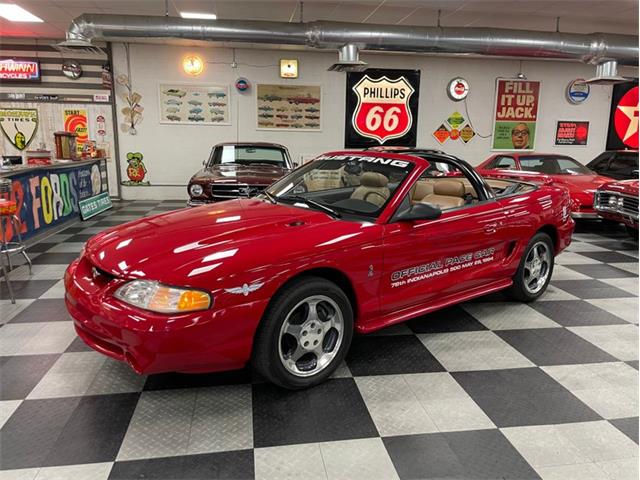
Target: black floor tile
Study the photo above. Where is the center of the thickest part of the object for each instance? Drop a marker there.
(55, 258)
(109, 223)
(618, 245)
(554, 346)
(95, 431)
(388, 355)
(225, 465)
(331, 411)
(19, 374)
(73, 230)
(33, 430)
(44, 310)
(168, 208)
(609, 257)
(81, 237)
(164, 381)
(26, 289)
(633, 363)
(451, 319)
(575, 313)
(601, 270)
(628, 426)
(41, 247)
(589, 289)
(78, 346)
(523, 396)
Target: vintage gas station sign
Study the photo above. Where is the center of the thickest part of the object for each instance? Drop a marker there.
(382, 108)
(19, 70)
(623, 120)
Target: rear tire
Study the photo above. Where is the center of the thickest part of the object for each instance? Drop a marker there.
(304, 335)
(632, 232)
(535, 269)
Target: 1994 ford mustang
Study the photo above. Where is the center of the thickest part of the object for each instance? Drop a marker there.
(351, 241)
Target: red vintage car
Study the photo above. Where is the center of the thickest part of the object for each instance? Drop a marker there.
(353, 241)
(562, 170)
(618, 202)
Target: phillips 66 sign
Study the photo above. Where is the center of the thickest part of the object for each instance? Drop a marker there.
(382, 108)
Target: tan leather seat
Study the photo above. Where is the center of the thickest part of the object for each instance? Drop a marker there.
(446, 194)
(421, 189)
(372, 189)
(320, 180)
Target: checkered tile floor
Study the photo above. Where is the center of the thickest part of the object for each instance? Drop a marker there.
(488, 389)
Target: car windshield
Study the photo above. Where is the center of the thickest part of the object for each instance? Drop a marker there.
(343, 185)
(553, 165)
(247, 155)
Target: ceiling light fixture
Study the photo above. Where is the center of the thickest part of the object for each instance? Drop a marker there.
(14, 13)
(201, 16)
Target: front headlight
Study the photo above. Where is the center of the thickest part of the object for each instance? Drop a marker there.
(195, 190)
(154, 296)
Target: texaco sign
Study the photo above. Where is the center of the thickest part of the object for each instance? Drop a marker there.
(381, 108)
(623, 119)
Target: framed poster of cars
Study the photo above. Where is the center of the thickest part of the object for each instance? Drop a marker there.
(194, 104)
(289, 107)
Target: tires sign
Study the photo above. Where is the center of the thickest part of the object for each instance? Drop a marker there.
(382, 107)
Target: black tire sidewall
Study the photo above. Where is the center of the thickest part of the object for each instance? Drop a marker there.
(266, 356)
(518, 289)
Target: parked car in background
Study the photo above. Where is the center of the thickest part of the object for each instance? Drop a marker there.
(236, 170)
(560, 169)
(617, 164)
(618, 202)
(351, 242)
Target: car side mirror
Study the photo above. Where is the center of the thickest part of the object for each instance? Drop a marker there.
(204, 162)
(420, 211)
(296, 164)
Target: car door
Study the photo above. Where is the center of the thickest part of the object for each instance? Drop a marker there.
(433, 259)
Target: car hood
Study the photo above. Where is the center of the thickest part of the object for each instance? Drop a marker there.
(196, 246)
(629, 187)
(251, 174)
(580, 183)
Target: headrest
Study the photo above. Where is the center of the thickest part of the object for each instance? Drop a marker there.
(422, 189)
(373, 179)
(451, 188)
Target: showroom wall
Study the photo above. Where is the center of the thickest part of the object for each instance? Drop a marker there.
(172, 153)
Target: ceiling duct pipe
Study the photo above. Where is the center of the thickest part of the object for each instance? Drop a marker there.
(593, 48)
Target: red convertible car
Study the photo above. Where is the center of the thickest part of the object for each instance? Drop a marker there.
(353, 241)
(562, 170)
(618, 202)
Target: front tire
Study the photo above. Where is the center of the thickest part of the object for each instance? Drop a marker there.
(535, 269)
(305, 334)
(632, 232)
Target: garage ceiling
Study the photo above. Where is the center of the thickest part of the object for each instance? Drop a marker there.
(576, 16)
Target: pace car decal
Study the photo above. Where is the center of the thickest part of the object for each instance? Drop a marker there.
(442, 266)
(358, 158)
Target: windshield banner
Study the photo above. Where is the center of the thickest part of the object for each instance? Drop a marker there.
(516, 114)
(382, 108)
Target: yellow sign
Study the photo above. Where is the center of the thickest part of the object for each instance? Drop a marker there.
(75, 121)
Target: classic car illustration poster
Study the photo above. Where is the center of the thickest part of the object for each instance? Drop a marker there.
(19, 125)
(76, 121)
(382, 108)
(572, 133)
(623, 119)
(516, 114)
(289, 107)
(194, 104)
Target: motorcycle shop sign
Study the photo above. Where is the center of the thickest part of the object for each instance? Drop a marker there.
(382, 108)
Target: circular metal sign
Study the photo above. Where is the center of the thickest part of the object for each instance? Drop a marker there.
(458, 89)
(242, 84)
(71, 69)
(578, 91)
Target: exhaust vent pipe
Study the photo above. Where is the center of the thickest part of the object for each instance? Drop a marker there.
(348, 60)
(76, 46)
(607, 74)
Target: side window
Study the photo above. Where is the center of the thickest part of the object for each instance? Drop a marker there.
(445, 186)
(623, 163)
(504, 162)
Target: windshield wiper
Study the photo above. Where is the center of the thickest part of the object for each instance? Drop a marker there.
(271, 198)
(324, 208)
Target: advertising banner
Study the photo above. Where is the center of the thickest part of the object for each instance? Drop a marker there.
(382, 108)
(75, 121)
(623, 119)
(49, 197)
(19, 125)
(516, 114)
(572, 133)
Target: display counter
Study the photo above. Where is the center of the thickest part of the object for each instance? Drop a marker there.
(50, 196)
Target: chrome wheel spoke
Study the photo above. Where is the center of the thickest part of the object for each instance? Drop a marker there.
(293, 330)
(536, 267)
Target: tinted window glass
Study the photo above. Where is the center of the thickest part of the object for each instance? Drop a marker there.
(624, 162)
(247, 155)
(553, 165)
(504, 162)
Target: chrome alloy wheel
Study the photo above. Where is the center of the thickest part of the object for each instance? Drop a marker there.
(536, 267)
(310, 336)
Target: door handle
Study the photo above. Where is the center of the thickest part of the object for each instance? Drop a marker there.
(491, 227)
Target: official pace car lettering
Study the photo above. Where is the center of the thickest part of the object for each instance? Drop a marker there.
(442, 266)
(357, 158)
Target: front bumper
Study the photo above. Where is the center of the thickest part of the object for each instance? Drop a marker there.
(196, 203)
(582, 215)
(204, 341)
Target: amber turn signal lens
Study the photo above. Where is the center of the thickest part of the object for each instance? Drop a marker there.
(193, 300)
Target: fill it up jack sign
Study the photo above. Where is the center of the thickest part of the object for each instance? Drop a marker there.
(382, 108)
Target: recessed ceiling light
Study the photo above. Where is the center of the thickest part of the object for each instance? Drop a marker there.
(201, 16)
(14, 13)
